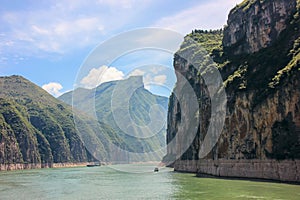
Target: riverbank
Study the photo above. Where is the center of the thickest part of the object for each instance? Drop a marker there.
(287, 171)
(200, 175)
(24, 166)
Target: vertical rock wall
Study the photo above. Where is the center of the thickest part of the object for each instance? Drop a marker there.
(261, 134)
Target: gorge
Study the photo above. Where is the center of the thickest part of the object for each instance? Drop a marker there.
(258, 57)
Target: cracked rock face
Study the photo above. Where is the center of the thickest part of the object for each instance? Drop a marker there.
(265, 131)
(261, 134)
(256, 25)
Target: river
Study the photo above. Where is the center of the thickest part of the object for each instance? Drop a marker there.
(132, 182)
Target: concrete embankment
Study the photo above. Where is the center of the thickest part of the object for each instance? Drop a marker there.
(286, 171)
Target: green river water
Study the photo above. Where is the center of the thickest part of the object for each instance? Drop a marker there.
(132, 182)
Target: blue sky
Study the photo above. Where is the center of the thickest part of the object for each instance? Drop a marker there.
(48, 41)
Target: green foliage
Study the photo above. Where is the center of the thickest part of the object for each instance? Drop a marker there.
(37, 128)
(280, 60)
(245, 5)
(238, 74)
(294, 53)
(209, 40)
(23, 132)
(260, 74)
(266, 69)
(9, 148)
(285, 72)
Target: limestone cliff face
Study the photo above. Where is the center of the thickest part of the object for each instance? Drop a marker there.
(261, 133)
(257, 24)
(268, 130)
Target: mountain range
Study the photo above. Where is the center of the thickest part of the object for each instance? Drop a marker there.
(38, 130)
(126, 107)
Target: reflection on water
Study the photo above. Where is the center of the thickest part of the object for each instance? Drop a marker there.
(107, 183)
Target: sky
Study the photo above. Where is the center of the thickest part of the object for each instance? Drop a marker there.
(49, 42)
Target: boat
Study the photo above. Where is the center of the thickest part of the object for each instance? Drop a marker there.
(93, 165)
(156, 169)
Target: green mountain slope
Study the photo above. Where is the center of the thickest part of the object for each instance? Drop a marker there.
(101, 102)
(38, 129)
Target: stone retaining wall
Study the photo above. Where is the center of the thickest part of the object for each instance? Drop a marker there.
(20, 166)
(287, 170)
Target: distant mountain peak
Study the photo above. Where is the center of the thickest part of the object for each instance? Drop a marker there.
(135, 81)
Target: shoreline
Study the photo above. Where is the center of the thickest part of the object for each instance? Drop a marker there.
(17, 167)
(285, 171)
(28, 166)
(201, 175)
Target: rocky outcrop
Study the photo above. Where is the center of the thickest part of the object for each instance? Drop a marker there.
(260, 136)
(253, 25)
(266, 130)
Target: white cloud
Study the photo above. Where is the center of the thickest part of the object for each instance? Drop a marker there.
(147, 81)
(53, 88)
(39, 30)
(100, 75)
(160, 79)
(36, 33)
(137, 72)
(60, 36)
(63, 26)
(151, 76)
(209, 15)
(118, 3)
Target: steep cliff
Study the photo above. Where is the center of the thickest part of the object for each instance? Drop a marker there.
(259, 61)
(37, 130)
(253, 25)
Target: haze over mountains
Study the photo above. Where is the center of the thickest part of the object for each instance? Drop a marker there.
(38, 130)
(126, 107)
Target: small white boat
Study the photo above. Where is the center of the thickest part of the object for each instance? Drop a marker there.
(93, 165)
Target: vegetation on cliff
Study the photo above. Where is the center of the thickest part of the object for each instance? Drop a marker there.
(36, 128)
(260, 66)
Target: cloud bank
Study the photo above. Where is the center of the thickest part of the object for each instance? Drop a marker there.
(103, 74)
(53, 88)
